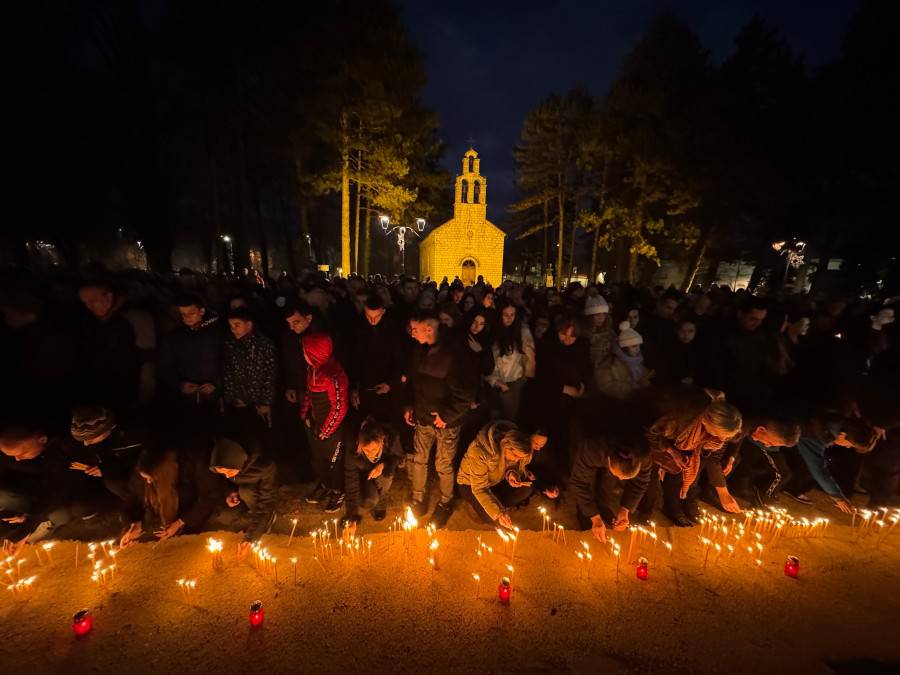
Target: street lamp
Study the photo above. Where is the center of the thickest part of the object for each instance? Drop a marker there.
(401, 231)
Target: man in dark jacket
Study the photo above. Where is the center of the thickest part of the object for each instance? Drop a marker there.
(38, 491)
(742, 360)
(375, 366)
(249, 378)
(599, 464)
(439, 397)
(110, 356)
(369, 465)
(254, 482)
(190, 364)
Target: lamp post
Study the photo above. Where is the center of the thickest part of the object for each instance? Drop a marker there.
(793, 255)
(229, 252)
(401, 231)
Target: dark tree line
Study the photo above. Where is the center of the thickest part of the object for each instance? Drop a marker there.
(691, 160)
(184, 122)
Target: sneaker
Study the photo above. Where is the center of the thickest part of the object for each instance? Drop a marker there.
(335, 502)
(379, 512)
(420, 508)
(441, 515)
(317, 495)
(802, 498)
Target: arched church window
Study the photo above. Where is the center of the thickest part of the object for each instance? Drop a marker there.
(471, 165)
(464, 196)
(476, 192)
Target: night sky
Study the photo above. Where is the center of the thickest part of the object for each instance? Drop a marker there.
(489, 63)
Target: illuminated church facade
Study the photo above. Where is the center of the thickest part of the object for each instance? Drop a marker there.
(468, 245)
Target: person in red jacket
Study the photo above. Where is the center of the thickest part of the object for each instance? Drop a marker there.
(323, 411)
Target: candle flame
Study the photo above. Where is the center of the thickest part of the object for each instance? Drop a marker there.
(410, 520)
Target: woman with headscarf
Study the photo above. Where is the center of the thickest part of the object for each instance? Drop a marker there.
(691, 437)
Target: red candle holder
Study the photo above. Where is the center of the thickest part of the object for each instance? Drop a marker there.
(792, 566)
(643, 569)
(82, 623)
(504, 590)
(256, 614)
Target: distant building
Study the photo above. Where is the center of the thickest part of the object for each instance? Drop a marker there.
(468, 245)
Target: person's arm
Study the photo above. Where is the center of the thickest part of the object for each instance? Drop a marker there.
(714, 471)
(337, 394)
(460, 394)
(266, 491)
(529, 351)
(229, 382)
(636, 488)
(477, 475)
(493, 379)
(267, 373)
(584, 475)
(813, 454)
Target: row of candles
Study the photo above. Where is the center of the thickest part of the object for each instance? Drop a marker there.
(721, 534)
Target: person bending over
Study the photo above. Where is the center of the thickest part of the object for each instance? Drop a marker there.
(499, 454)
(600, 464)
(252, 480)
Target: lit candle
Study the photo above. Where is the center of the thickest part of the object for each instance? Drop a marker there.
(293, 527)
(504, 590)
(643, 569)
(792, 566)
(82, 623)
(434, 554)
(294, 564)
(256, 614)
(477, 583)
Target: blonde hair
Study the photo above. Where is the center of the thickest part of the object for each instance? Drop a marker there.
(517, 442)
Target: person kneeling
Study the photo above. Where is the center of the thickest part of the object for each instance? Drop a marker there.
(252, 479)
(599, 464)
(369, 471)
(498, 456)
(176, 488)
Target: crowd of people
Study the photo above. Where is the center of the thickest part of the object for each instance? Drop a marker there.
(173, 397)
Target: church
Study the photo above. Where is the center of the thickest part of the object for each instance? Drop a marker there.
(468, 245)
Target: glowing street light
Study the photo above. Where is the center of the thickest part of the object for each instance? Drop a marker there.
(401, 231)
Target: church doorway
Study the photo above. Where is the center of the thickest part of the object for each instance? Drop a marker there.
(469, 272)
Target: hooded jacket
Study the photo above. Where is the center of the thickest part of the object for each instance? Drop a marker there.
(485, 465)
(326, 385)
